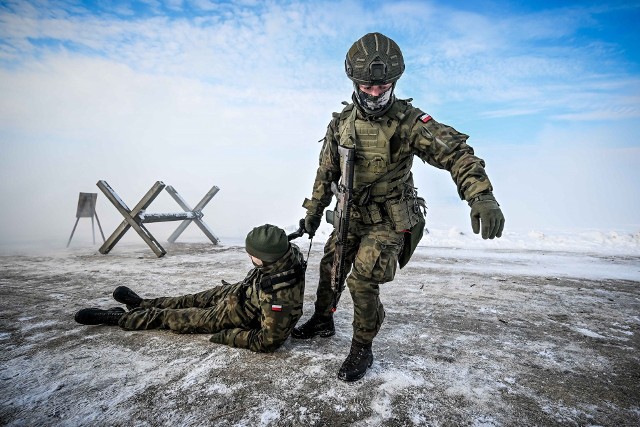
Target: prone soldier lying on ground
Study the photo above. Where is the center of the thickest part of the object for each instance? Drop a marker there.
(257, 313)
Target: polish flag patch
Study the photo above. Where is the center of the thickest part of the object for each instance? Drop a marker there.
(424, 118)
(276, 307)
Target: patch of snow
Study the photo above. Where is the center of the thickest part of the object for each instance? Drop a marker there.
(268, 416)
(589, 333)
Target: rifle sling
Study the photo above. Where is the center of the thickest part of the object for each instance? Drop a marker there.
(397, 175)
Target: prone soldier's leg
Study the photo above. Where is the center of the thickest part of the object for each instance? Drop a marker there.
(181, 320)
(203, 299)
(227, 313)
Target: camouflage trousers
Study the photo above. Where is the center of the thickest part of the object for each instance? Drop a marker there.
(372, 253)
(223, 307)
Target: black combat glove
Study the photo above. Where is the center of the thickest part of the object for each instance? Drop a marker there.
(311, 224)
(485, 210)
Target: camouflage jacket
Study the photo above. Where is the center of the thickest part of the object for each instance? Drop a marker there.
(272, 305)
(414, 133)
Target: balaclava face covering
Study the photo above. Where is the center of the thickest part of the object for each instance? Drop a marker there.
(374, 105)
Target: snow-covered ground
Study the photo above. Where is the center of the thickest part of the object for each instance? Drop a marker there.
(532, 329)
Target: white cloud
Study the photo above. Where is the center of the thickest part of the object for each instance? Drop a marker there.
(239, 97)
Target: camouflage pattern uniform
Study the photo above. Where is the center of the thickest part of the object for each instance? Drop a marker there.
(385, 148)
(257, 314)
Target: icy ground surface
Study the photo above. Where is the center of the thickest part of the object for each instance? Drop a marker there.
(532, 330)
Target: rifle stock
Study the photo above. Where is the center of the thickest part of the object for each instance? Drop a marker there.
(344, 194)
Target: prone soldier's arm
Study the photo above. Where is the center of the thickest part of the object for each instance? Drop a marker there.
(444, 147)
(279, 313)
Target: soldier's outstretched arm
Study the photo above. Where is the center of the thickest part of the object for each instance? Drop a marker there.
(444, 147)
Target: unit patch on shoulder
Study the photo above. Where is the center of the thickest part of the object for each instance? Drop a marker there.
(424, 118)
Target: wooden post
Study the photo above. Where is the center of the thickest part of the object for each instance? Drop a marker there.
(87, 209)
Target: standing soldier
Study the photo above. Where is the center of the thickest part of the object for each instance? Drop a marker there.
(257, 314)
(386, 220)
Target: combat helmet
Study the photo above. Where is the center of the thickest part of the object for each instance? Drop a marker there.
(374, 59)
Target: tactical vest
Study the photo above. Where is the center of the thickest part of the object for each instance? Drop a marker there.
(377, 176)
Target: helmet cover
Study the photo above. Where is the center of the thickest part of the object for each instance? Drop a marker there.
(374, 59)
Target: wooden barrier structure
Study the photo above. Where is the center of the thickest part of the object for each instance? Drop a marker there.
(136, 218)
(87, 209)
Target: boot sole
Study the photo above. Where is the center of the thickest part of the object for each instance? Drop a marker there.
(322, 334)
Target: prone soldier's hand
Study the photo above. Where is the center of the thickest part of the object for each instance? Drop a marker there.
(485, 210)
(311, 224)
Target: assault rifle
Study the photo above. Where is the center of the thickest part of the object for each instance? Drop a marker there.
(340, 220)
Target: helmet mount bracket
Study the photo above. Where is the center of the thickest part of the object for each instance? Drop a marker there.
(377, 70)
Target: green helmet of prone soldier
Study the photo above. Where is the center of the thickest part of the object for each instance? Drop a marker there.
(374, 60)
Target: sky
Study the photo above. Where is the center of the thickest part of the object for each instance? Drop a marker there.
(237, 94)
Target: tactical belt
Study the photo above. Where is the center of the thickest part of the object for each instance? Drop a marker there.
(269, 283)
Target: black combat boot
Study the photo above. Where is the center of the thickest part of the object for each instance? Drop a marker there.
(354, 367)
(96, 316)
(316, 325)
(124, 295)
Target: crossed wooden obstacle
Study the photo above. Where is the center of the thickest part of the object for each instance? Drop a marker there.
(136, 218)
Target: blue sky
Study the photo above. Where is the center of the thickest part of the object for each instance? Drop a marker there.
(237, 94)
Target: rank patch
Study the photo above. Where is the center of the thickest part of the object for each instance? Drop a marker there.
(424, 118)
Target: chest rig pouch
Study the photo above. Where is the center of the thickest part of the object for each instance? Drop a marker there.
(406, 212)
(372, 141)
